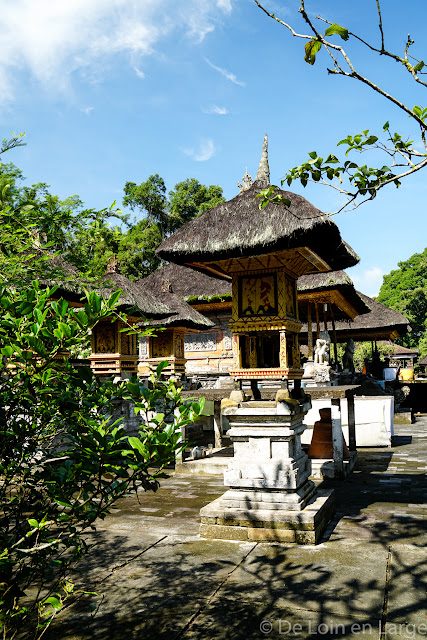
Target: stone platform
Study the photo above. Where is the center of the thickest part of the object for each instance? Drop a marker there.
(325, 467)
(270, 496)
(219, 520)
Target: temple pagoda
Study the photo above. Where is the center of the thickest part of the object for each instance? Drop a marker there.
(262, 253)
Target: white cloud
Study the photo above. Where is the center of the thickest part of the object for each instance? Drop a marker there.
(51, 40)
(139, 73)
(203, 152)
(369, 281)
(227, 74)
(215, 109)
(225, 5)
(87, 110)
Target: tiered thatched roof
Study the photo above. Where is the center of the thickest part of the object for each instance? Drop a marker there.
(334, 287)
(169, 285)
(184, 315)
(381, 323)
(238, 228)
(186, 282)
(134, 296)
(133, 300)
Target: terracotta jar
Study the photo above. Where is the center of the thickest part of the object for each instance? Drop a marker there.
(321, 442)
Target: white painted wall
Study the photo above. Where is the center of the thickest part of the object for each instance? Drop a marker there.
(374, 420)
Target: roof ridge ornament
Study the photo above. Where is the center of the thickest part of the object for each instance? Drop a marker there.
(263, 173)
(113, 265)
(247, 182)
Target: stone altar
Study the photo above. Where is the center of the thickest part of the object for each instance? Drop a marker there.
(270, 496)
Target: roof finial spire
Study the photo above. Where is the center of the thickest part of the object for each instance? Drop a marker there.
(263, 173)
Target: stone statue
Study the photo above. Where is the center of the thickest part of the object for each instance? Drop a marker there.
(321, 352)
(347, 360)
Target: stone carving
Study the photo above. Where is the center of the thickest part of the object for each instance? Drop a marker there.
(143, 348)
(321, 353)
(166, 286)
(246, 183)
(200, 342)
(227, 343)
(347, 360)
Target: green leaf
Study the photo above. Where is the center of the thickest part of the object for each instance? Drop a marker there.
(162, 365)
(336, 29)
(54, 603)
(136, 444)
(65, 329)
(311, 48)
(419, 66)
(313, 154)
(33, 523)
(113, 298)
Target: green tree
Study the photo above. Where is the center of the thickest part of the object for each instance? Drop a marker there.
(422, 345)
(32, 219)
(189, 199)
(170, 211)
(149, 198)
(358, 182)
(63, 461)
(405, 289)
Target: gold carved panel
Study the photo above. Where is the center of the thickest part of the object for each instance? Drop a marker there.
(178, 345)
(257, 295)
(105, 335)
(291, 298)
(162, 345)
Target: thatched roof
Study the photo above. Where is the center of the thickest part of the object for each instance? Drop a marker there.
(185, 282)
(380, 323)
(401, 351)
(238, 228)
(423, 361)
(134, 297)
(184, 315)
(333, 281)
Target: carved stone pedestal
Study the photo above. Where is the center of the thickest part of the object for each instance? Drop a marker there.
(270, 496)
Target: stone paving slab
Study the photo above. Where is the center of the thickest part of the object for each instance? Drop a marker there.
(157, 579)
(344, 579)
(225, 619)
(407, 600)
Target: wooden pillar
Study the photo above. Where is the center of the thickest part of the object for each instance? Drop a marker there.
(237, 352)
(325, 316)
(351, 423)
(334, 335)
(309, 333)
(252, 353)
(317, 319)
(283, 356)
(256, 393)
(337, 439)
(217, 424)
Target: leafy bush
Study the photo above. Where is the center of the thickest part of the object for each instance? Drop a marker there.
(63, 461)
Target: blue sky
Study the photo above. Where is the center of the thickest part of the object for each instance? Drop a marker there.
(115, 90)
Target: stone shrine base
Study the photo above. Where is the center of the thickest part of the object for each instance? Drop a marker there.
(268, 525)
(325, 467)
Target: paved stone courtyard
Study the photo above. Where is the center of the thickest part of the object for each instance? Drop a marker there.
(157, 579)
